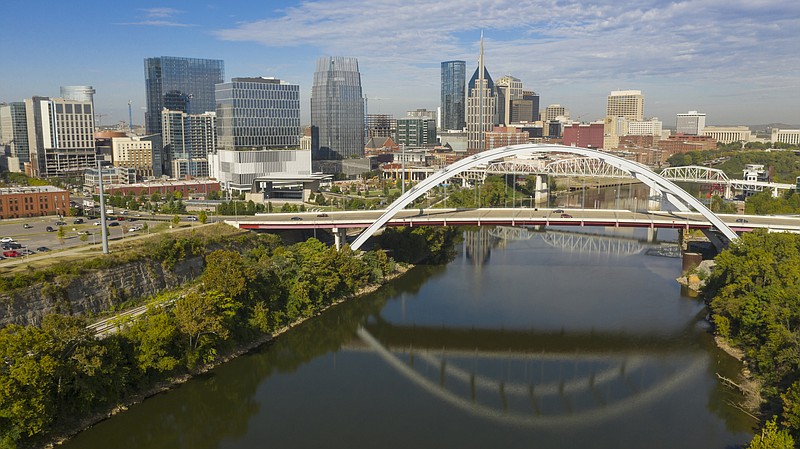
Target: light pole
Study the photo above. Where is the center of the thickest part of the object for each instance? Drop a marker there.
(104, 229)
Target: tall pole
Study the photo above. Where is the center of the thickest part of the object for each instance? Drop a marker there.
(403, 175)
(103, 227)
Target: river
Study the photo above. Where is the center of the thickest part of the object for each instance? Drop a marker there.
(566, 338)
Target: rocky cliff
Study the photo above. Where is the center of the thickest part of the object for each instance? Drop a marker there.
(95, 291)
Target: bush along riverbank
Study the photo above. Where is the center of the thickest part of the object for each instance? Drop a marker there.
(754, 296)
(60, 377)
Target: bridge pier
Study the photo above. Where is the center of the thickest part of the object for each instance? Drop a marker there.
(339, 237)
(542, 190)
(652, 235)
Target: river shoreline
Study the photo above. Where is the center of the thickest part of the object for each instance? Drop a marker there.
(61, 437)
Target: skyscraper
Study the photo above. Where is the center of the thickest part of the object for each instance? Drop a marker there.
(179, 84)
(509, 89)
(454, 76)
(14, 132)
(337, 109)
(623, 106)
(481, 105)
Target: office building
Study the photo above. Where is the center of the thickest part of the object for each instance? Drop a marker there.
(584, 135)
(78, 93)
(453, 95)
(649, 127)
(622, 107)
(14, 134)
(337, 109)
(788, 136)
(728, 134)
(481, 105)
(380, 125)
(416, 131)
(690, 123)
(554, 111)
(179, 84)
(60, 136)
(509, 89)
(236, 169)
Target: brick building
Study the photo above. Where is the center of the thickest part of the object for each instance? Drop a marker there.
(18, 202)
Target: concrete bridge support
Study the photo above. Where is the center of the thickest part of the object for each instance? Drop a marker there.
(542, 189)
(339, 237)
(652, 235)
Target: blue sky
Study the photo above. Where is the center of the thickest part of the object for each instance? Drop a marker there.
(736, 60)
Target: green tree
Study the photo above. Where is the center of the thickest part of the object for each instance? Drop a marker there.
(176, 219)
(203, 217)
(61, 234)
(772, 438)
(227, 272)
(155, 339)
(203, 319)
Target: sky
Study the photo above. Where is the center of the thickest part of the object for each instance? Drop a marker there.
(736, 60)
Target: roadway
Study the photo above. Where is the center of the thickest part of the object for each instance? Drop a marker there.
(513, 217)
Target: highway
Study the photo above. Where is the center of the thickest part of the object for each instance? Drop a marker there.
(513, 217)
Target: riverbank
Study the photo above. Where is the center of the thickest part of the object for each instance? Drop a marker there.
(63, 435)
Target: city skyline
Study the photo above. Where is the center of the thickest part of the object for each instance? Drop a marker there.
(734, 61)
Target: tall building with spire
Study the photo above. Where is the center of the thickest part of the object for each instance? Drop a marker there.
(454, 78)
(337, 109)
(481, 105)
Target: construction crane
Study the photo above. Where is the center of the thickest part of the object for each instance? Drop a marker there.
(130, 117)
(98, 118)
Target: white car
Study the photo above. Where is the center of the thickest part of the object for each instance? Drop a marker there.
(6, 240)
(135, 228)
(192, 218)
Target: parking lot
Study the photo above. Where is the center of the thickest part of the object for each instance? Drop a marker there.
(32, 234)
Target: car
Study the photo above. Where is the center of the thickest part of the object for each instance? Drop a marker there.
(114, 223)
(6, 240)
(42, 249)
(124, 212)
(78, 221)
(136, 228)
(120, 218)
(61, 223)
(11, 253)
(138, 215)
(84, 233)
(741, 220)
(192, 218)
(322, 215)
(296, 218)
(558, 211)
(14, 245)
(25, 252)
(96, 223)
(566, 216)
(49, 229)
(27, 226)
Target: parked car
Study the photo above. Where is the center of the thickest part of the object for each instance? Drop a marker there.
(120, 218)
(25, 252)
(114, 223)
(136, 228)
(42, 249)
(14, 245)
(27, 226)
(6, 240)
(96, 223)
(49, 229)
(11, 253)
(78, 221)
(61, 223)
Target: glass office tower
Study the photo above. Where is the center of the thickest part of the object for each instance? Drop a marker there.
(179, 84)
(337, 109)
(454, 75)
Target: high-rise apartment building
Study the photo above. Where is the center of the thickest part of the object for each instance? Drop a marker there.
(337, 109)
(60, 136)
(416, 131)
(179, 84)
(187, 139)
(135, 153)
(14, 133)
(690, 123)
(454, 76)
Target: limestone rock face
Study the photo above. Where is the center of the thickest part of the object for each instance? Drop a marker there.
(94, 292)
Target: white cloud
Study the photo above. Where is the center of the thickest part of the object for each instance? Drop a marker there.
(549, 44)
(160, 13)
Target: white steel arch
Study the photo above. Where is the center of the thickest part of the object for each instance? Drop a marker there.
(677, 196)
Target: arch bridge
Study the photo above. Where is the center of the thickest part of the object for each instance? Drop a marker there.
(678, 197)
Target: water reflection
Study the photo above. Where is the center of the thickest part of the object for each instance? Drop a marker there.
(552, 339)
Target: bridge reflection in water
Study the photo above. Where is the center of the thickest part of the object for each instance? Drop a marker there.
(530, 379)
